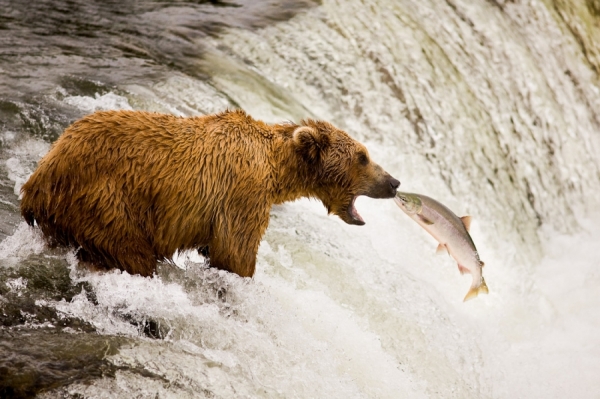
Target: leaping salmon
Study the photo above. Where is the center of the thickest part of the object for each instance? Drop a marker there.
(450, 231)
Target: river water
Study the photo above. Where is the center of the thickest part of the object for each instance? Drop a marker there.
(488, 106)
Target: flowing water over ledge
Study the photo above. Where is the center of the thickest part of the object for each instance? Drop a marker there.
(488, 106)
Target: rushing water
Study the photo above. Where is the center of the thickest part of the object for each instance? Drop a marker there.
(488, 106)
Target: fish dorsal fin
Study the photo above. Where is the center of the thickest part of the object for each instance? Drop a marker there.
(424, 219)
(441, 249)
(467, 222)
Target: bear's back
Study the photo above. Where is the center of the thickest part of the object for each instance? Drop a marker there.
(144, 149)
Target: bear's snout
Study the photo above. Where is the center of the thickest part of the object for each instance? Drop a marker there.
(384, 187)
(391, 186)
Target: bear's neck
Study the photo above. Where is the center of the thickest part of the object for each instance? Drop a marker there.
(293, 178)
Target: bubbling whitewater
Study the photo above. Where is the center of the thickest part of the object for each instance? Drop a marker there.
(490, 107)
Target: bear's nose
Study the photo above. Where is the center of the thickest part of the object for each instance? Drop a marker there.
(394, 184)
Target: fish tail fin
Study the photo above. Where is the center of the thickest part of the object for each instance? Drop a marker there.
(474, 291)
(483, 287)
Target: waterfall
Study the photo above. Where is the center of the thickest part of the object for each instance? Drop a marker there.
(488, 106)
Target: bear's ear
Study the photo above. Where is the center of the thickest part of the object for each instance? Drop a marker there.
(310, 143)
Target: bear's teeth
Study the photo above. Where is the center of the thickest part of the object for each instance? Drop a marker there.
(354, 213)
(356, 216)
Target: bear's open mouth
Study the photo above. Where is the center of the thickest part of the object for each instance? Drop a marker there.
(353, 213)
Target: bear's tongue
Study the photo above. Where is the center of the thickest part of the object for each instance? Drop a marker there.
(354, 213)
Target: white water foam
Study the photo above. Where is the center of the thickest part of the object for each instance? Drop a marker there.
(335, 310)
(99, 102)
(247, 346)
(23, 160)
(178, 94)
(25, 241)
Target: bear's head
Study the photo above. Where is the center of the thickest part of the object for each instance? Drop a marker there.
(339, 169)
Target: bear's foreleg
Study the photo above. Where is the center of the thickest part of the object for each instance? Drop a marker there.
(235, 242)
(235, 253)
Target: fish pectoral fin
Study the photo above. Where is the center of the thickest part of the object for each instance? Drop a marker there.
(474, 291)
(424, 219)
(466, 221)
(441, 249)
(463, 269)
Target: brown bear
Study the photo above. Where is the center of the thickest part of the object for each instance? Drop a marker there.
(128, 188)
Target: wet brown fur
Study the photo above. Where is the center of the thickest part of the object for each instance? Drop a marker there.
(128, 188)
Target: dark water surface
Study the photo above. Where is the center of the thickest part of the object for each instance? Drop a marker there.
(68, 42)
(88, 47)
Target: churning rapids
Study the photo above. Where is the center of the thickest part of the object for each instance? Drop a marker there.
(490, 106)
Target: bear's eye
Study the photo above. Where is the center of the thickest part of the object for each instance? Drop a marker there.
(362, 159)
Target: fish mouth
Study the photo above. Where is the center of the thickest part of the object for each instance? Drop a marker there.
(400, 200)
(352, 215)
(409, 203)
